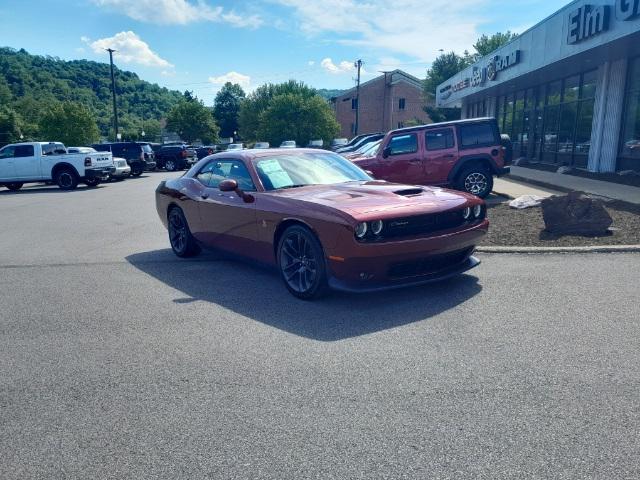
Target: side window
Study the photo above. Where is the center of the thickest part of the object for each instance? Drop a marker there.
(48, 149)
(479, 134)
(216, 171)
(439, 139)
(24, 151)
(403, 144)
(8, 152)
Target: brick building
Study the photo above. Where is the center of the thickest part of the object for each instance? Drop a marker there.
(386, 102)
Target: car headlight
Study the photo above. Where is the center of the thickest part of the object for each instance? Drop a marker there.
(376, 227)
(361, 229)
(477, 211)
(466, 213)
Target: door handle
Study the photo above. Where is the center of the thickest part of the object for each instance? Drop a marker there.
(415, 160)
(450, 155)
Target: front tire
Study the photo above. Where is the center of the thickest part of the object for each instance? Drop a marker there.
(182, 242)
(476, 180)
(170, 165)
(66, 179)
(301, 263)
(136, 170)
(14, 187)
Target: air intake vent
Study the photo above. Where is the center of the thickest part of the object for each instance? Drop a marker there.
(409, 192)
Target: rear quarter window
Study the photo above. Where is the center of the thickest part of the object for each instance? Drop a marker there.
(477, 135)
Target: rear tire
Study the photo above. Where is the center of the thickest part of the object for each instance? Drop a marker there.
(170, 165)
(136, 170)
(476, 180)
(92, 182)
(14, 187)
(182, 242)
(301, 263)
(66, 179)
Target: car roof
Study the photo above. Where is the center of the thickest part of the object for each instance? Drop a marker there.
(451, 123)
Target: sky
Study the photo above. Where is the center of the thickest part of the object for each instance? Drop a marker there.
(198, 45)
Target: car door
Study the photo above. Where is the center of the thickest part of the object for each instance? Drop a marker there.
(27, 165)
(441, 153)
(401, 160)
(227, 221)
(7, 167)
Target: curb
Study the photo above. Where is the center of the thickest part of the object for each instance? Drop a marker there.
(588, 249)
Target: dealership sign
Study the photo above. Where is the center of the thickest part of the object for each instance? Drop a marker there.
(591, 20)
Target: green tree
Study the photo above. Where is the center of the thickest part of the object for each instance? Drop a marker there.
(293, 116)
(443, 68)
(258, 101)
(192, 120)
(226, 108)
(9, 126)
(5, 92)
(70, 123)
(487, 44)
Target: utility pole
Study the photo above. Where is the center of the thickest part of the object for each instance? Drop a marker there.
(358, 65)
(113, 91)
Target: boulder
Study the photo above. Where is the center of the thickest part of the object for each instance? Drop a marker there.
(564, 169)
(575, 214)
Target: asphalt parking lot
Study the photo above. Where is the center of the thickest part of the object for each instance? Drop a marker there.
(118, 360)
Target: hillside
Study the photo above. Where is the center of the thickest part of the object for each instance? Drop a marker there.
(30, 82)
(328, 94)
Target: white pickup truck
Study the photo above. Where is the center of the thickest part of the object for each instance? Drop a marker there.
(35, 162)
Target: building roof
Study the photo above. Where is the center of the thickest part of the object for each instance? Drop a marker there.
(396, 76)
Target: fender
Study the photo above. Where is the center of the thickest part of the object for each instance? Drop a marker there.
(60, 165)
(468, 159)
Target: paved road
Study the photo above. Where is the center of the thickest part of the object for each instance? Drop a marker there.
(118, 360)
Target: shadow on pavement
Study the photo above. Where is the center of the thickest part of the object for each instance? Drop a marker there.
(258, 293)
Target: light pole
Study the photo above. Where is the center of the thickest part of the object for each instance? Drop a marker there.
(113, 91)
(358, 65)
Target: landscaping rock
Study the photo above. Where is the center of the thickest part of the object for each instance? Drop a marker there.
(564, 169)
(575, 214)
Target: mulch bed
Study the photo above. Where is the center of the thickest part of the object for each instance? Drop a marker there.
(511, 227)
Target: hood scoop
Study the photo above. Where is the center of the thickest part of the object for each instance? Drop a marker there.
(409, 192)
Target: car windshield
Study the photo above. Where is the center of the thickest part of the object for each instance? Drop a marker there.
(372, 149)
(288, 144)
(146, 148)
(302, 169)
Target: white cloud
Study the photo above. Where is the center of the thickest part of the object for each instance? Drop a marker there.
(342, 67)
(84, 39)
(413, 28)
(130, 49)
(178, 12)
(311, 63)
(234, 77)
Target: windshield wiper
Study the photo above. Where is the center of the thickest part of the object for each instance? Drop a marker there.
(296, 186)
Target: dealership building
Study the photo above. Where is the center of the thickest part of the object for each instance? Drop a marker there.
(566, 91)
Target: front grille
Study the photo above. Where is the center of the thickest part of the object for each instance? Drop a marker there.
(422, 224)
(426, 266)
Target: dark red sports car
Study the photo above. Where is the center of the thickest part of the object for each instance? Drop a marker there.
(321, 220)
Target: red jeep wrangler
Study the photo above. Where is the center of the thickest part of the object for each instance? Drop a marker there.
(464, 154)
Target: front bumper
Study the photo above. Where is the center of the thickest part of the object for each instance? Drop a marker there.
(99, 173)
(369, 267)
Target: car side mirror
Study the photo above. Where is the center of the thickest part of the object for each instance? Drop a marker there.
(228, 185)
(386, 152)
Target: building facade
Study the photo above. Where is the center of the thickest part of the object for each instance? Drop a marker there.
(567, 90)
(386, 102)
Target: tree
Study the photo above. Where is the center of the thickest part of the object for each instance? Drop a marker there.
(70, 123)
(443, 68)
(9, 126)
(226, 108)
(294, 116)
(485, 45)
(192, 120)
(257, 102)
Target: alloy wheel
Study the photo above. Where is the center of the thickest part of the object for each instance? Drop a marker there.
(65, 180)
(298, 263)
(170, 165)
(475, 183)
(177, 232)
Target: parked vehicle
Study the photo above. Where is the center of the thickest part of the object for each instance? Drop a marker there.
(121, 169)
(464, 154)
(139, 155)
(364, 140)
(176, 157)
(205, 151)
(235, 146)
(355, 139)
(315, 144)
(367, 150)
(338, 142)
(321, 220)
(288, 144)
(261, 145)
(35, 162)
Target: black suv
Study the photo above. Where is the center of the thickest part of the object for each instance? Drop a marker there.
(176, 157)
(138, 155)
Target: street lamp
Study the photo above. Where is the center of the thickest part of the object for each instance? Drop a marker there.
(142, 134)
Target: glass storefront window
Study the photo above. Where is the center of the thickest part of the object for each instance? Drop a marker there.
(583, 134)
(630, 140)
(550, 138)
(553, 93)
(589, 80)
(508, 119)
(566, 132)
(571, 89)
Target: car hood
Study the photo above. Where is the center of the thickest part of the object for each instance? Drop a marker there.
(379, 198)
